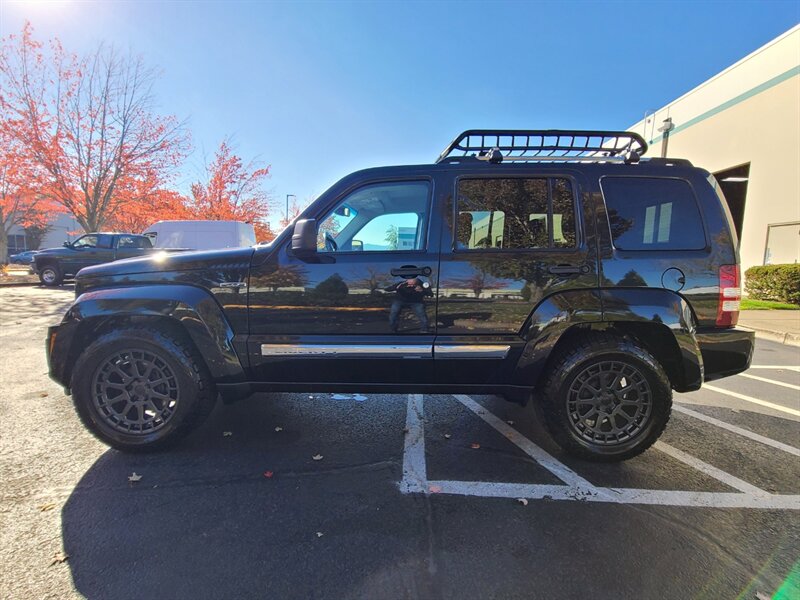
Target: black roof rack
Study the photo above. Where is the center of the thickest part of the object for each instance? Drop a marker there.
(545, 145)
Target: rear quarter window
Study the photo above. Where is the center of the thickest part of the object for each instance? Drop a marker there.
(652, 213)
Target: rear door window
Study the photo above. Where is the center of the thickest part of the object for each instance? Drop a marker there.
(652, 213)
(515, 214)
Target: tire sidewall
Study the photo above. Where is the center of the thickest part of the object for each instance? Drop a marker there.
(661, 403)
(189, 389)
(56, 275)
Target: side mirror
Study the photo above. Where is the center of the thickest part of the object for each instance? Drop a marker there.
(304, 237)
(67, 245)
(357, 246)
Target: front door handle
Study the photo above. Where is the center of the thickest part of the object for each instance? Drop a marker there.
(568, 269)
(411, 271)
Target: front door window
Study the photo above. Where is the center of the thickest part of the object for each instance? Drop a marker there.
(384, 217)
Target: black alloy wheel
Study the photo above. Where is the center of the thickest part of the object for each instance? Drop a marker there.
(140, 389)
(605, 397)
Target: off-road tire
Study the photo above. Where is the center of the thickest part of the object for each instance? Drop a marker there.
(590, 350)
(196, 393)
(50, 275)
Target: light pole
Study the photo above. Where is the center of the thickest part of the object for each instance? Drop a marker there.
(287, 205)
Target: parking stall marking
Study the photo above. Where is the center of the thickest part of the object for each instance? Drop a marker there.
(563, 472)
(577, 488)
(791, 386)
(709, 470)
(772, 405)
(737, 430)
(414, 467)
(776, 367)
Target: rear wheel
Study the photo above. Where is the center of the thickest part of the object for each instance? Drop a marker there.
(606, 399)
(140, 390)
(50, 275)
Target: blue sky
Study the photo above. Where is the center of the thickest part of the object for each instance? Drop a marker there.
(319, 89)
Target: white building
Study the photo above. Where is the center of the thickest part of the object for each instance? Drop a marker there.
(64, 227)
(743, 125)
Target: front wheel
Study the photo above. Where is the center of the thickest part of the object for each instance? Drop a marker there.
(606, 399)
(50, 275)
(140, 390)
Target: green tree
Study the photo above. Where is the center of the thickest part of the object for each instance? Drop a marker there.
(392, 237)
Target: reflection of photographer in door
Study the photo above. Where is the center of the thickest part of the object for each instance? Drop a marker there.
(410, 292)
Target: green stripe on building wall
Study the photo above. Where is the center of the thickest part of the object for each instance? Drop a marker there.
(733, 101)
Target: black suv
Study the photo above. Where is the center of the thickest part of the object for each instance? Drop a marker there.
(553, 265)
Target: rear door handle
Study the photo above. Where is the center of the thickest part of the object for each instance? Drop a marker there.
(411, 271)
(568, 269)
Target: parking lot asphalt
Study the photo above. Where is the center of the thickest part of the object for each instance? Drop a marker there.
(413, 496)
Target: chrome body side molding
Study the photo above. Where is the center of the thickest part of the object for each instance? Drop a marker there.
(471, 351)
(348, 350)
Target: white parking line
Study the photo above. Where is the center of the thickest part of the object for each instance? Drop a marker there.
(415, 476)
(791, 386)
(535, 491)
(563, 472)
(772, 405)
(738, 430)
(576, 488)
(709, 470)
(774, 367)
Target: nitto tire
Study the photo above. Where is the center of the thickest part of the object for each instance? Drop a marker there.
(606, 399)
(141, 390)
(50, 275)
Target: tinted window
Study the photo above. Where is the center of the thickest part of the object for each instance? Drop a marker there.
(104, 241)
(381, 217)
(648, 213)
(87, 241)
(130, 241)
(515, 214)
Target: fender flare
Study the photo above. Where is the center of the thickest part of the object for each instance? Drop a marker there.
(554, 316)
(194, 309)
(668, 309)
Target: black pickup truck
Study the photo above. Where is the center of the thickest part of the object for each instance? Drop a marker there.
(55, 264)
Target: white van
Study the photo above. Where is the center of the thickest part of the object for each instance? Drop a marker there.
(201, 235)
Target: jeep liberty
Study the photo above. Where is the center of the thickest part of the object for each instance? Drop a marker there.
(557, 267)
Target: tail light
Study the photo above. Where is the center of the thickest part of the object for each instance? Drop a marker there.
(730, 293)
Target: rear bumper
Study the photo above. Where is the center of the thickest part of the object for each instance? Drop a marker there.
(725, 351)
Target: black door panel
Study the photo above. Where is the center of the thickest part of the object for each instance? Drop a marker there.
(490, 283)
(344, 315)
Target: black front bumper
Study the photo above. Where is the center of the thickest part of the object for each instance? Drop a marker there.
(725, 351)
(57, 348)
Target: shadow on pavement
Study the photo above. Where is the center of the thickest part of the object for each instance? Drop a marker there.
(204, 521)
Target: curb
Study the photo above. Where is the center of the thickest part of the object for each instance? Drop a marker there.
(789, 339)
(20, 284)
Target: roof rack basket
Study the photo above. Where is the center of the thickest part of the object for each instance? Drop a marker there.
(545, 145)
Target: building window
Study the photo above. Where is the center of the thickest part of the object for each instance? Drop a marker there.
(16, 243)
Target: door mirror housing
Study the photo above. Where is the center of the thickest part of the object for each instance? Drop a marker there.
(67, 244)
(357, 246)
(304, 237)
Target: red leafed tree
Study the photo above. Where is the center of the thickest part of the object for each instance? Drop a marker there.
(21, 204)
(155, 205)
(233, 191)
(89, 123)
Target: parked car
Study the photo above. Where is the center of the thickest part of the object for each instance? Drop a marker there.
(201, 235)
(55, 264)
(556, 266)
(22, 258)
